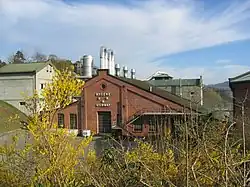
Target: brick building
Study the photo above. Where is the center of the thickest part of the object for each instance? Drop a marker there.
(240, 87)
(133, 106)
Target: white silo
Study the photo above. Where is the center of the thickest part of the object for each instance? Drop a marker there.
(125, 71)
(117, 70)
(132, 73)
(102, 57)
(112, 62)
(109, 62)
(105, 59)
(87, 66)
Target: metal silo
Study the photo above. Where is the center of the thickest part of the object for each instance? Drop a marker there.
(109, 65)
(87, 66)
(112, 62)
(102, 57)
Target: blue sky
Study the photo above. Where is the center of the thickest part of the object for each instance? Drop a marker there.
(185, 38)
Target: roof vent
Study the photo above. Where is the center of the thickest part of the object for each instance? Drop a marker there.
(132, 73)
(125, 71)
(117, 70)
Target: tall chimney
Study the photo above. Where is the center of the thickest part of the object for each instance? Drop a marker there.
(117, 70)
(125, 71)
(109, 62)
(105, 58)
(132, 73)
(102, 57)
(112, 63)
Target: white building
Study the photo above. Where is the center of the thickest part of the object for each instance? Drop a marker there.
(19, 80)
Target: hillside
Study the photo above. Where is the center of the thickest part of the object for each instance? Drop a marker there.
(219, 95)
(9, 119)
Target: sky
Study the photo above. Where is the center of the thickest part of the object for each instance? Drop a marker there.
(184, 38)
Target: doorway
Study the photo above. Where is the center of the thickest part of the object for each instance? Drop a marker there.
(104, 122)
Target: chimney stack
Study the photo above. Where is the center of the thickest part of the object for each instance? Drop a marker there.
(125, 71)
(112, 62)
(117, 70)
(109, 65)
(132, 73)
(102, 57)
(105, 58)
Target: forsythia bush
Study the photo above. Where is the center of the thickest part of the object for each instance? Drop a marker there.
(45, 155)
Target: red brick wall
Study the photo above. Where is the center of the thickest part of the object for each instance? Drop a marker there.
(241, 92)
(67, 111)
(130, 98)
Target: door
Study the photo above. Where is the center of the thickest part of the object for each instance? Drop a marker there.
(104, 122)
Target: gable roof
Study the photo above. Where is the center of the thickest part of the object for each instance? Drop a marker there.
(144, 85)
(241, 78)
(159, 74)
(23, 68)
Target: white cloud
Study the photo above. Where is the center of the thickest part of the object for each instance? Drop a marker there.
(138, 34)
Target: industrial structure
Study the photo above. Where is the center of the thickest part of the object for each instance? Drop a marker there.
(113, 99)
(191, 89)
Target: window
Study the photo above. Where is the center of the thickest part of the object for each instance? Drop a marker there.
(73, 121)
(60, 120)
(42, 86)
(138, 127)
(22, 103)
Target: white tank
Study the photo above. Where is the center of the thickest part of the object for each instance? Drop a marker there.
(117, 70)
(132, 73)
(102, 57)
(105, 63)
(87, 66)
(125, 71)
(112, 67)
(109, 62)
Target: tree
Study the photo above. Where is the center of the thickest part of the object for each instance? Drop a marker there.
(52, 154)
(39, 57)
(17, 58)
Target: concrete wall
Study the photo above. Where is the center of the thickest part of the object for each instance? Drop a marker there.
(186, 92)
(14, 88)
(44, 77)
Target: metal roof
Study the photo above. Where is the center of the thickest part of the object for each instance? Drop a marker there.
(241, 78)
(145, 85)
(175, 82)
(23, 68)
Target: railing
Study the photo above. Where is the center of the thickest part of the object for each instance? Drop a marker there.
(146, 111)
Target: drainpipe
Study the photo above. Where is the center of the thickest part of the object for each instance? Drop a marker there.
(201, 87)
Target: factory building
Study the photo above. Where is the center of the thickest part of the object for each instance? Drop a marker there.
(115, 99)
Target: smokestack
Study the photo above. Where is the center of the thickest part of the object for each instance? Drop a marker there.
(105, 66)
(132, 73)
(125, 71)
(102, 57)
(109, 66)
(112, 63)
(117, 70)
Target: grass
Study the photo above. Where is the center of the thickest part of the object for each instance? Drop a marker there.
(7, 112)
